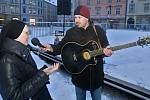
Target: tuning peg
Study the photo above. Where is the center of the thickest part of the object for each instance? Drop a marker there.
(141, 42)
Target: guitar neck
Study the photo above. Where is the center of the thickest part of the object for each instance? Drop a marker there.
(115, 48)
(128, 45)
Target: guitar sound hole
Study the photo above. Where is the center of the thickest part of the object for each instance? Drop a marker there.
(86, 55)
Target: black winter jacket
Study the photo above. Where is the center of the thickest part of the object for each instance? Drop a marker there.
(19, 77)
(92, 77)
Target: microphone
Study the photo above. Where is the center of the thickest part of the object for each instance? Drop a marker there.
(32, 48)
(36, 42)
(35, 50)
(41, 54)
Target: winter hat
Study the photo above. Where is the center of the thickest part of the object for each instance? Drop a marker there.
(83, 11)
(13, 29)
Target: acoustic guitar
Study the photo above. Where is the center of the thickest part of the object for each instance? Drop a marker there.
(77, 57)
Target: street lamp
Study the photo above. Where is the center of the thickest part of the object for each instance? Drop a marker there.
(20, 9)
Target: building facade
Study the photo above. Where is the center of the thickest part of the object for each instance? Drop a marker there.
(50, 12)
(9, 9)
(138, 12)
(106, 10)
(26, 10)
(32, 9)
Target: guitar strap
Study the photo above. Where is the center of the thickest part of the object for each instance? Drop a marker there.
(99, 43)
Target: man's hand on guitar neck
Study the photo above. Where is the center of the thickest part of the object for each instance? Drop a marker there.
(47, 47)
(107, 51)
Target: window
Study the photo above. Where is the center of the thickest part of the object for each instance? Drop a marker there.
(17, 10)
(117, 11)
(34, 11)
(38, 11)
(16, 1)
(88, 2)
(98, 10)
(109, 10)
(33, 2)
(12, 9)
(41, 12)
(11, 1)
(0, 9)
(3, 8)
(41, 3)
(30, 1)
(146, 7)
(24, 19)
(98, 1)
(109, 1)
(24, 1)
(131, 8)
(118, 0)
(30, 10)
(38, 3)
(24, 10)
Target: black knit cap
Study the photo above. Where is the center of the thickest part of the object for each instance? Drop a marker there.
(13, 29)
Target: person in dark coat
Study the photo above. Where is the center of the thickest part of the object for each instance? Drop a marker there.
(91, 78)
(19, 77)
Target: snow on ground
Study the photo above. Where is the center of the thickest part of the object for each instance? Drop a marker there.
(131, 64)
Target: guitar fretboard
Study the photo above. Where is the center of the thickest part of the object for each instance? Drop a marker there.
(115, 48)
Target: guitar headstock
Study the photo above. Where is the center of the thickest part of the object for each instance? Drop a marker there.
(144, 41)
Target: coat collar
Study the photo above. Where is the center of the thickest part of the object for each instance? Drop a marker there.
(15, 47)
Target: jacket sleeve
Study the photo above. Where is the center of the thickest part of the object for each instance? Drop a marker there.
(14, 88)
(57, 48)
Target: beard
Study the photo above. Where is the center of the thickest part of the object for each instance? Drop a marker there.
(78, 24)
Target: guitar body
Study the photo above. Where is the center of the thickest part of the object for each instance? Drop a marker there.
(77, 57)
(73, 59)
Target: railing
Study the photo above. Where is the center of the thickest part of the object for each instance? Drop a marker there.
(55, 28)
(104, 25)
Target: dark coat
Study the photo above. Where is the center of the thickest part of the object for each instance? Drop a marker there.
(92, 77)
(19, 77)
